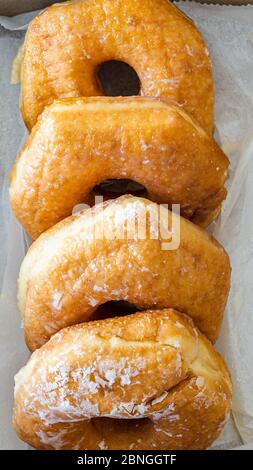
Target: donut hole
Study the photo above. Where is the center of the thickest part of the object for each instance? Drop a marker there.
(111, 189)
(117, 78)
(117, 187)
(114, 308)
(123, 427)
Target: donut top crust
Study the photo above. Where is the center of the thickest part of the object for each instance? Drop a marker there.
(153, 365)
(88, 259)
(66, 44)
(78, 143)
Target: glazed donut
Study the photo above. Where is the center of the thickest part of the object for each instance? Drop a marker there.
(78, 143)
(145, 381)
(66, 44)
(99, 255)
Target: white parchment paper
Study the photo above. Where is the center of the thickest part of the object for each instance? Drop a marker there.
(229, 35)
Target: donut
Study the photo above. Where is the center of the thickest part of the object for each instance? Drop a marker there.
(145, 381)
(80, 142)
(120, 250)
(66, 45)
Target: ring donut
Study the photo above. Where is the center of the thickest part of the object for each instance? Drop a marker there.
(104, 253)
(145, 381)
(66, 44)
(79, 143)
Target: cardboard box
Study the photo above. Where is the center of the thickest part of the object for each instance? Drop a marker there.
(14, 7)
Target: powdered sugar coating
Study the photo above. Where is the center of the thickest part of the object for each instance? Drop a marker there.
(138, 382)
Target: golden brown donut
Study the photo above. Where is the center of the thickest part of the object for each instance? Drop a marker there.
(66, 44)
(145, 381)
(78, 143)
(93, 257)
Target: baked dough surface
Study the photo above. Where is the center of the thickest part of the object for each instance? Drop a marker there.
(79, 143)
(94, 257)
(66, 44)
(145, 381)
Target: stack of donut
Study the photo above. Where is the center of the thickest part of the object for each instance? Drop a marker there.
(152, 379)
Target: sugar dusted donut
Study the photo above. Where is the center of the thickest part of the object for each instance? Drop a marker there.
(66, 44)
(105, 254)
(144, 381)
(78, 143)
